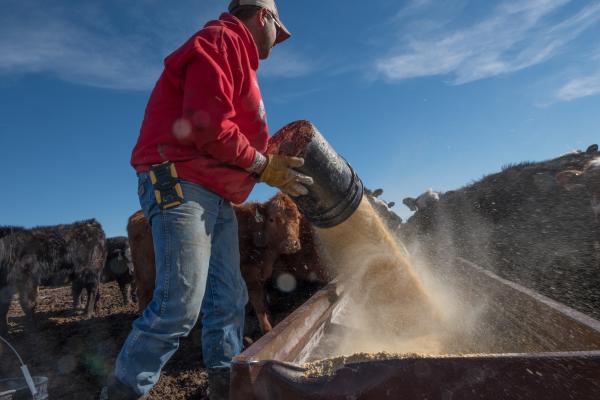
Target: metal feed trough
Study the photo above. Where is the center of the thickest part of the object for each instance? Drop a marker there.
(546, 351)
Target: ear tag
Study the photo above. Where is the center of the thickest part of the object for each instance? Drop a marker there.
(259, 217)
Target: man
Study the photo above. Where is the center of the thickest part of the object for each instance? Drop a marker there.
(201, 148)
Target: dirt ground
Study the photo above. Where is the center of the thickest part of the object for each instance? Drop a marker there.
(77, 354)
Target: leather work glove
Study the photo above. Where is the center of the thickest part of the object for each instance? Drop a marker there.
(279, 173)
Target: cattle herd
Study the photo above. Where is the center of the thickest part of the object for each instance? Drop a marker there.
(277, 247)
(74, 253)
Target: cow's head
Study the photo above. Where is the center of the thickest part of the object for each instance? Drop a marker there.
(119, 261)
(411, 203)
(282, 224)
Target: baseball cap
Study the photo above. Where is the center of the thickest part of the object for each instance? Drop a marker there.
(282, 32)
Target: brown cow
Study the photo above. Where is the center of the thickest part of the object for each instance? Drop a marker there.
(266, 232)
(142, 257)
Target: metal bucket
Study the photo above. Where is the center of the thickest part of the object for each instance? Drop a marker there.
(16, 389)
(337, 190)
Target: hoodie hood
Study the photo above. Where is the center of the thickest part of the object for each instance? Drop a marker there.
(213, 34)
(233, 24)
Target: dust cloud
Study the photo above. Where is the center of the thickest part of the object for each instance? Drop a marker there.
(393, 304)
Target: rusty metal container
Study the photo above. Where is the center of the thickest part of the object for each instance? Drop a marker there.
(548, 351)
(337, 190)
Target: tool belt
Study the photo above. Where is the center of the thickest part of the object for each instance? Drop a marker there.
(167, 189)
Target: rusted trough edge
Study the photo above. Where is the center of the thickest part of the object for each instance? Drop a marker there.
(574, 375)
(291, 335)
(566, 311)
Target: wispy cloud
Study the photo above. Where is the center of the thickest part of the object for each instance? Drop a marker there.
(514, 36)
(578, 87)
(86, 60)
(110, 44)
(105, 44)
(579, 79)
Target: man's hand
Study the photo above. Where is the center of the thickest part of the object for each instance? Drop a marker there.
(279, 173)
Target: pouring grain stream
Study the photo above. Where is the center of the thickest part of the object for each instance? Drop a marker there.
(389, 303)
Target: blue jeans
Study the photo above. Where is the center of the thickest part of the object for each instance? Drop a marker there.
(197, 272)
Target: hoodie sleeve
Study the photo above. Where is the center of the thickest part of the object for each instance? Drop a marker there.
(208, 104)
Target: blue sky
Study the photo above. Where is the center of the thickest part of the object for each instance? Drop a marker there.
(415, 93)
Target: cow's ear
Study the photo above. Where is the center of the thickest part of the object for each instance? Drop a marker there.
(259, 214)
(565, 177)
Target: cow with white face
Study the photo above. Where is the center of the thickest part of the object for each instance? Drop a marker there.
(425, 200)
(588, 176)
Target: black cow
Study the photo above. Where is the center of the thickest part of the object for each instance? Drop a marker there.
(24, 259)
(119, 267)
(51, 255)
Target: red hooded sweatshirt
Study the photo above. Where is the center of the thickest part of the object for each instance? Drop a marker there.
(206, 112)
